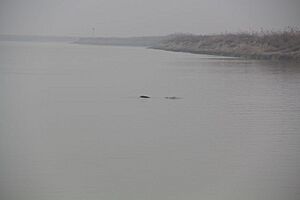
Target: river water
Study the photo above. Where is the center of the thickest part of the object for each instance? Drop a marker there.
(72, 125)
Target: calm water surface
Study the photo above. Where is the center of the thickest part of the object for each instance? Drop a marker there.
(73, 128)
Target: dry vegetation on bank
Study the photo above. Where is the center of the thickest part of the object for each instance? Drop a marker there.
(284, 45)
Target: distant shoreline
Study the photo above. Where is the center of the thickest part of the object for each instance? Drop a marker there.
(37, 38)
(271, 46)
(233, 55)
(260, 46)
(145, 41)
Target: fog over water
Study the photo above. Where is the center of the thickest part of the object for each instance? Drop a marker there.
(73, 126)
(143, 17)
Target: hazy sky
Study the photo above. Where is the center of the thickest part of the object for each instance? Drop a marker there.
(144, 17)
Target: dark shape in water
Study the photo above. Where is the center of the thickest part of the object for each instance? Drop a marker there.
(144, 97)
(172, 98)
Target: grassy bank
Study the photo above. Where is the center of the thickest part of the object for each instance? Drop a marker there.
(283, 45)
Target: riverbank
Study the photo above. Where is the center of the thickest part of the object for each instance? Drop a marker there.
(146, 41)
(270, 46)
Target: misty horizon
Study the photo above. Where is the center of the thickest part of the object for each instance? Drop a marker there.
(142, 18)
